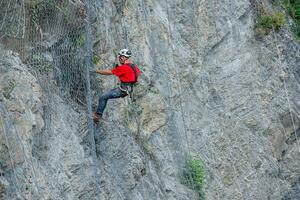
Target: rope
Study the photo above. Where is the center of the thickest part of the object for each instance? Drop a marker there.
(88, 65)
(24, 18)
(186, 128)
(285, 88)
(126, 43)
(5, 15)
(170, 39)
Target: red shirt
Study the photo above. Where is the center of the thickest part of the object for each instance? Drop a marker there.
(126, 73)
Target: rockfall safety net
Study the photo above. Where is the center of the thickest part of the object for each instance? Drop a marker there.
(54, 39)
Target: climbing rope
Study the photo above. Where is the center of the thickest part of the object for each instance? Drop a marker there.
(88, 66)
(170, 43)
(221, 122)
(177, 78)
(126, 43)
(279, 60)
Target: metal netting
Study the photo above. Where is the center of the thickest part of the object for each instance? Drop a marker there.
(54, 39)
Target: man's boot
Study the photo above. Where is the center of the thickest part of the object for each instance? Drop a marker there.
(96, 117)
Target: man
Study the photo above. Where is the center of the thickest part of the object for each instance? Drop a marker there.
(128, 74)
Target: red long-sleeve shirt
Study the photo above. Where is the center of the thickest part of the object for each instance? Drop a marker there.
(126, 73)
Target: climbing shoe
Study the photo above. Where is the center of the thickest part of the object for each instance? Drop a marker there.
(96, 117)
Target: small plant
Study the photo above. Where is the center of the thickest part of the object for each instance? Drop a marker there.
(267, 22)
(39, 61)
(78, 40)
(8, 90)
(62, 7)
(46, 8)
(153, 91)
(96, 58)
(28, 187)
(293, 8)
(194, 175)
(41, 9)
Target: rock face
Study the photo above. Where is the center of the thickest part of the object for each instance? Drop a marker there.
(218, 92)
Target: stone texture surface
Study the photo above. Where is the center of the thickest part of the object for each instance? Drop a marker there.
(218, 93)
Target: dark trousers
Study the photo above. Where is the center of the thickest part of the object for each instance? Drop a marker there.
(112, 94)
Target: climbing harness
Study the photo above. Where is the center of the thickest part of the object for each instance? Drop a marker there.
(127, 87)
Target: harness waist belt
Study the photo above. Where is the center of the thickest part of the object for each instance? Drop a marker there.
(127, 87)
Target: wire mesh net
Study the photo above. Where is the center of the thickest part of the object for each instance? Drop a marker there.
(54, 39)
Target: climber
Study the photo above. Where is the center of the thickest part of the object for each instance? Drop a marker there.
(127, 72)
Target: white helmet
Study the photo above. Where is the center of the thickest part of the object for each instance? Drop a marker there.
(124, 52)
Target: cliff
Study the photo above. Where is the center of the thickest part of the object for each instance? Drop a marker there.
(213, 90)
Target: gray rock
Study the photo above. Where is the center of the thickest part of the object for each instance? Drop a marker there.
(218, 93)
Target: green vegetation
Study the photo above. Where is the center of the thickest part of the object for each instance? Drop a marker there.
(8, 90)
(96, 58)
(267, 22)
(153, 90)
(293, 8)
(47, 8)
(78, 40)
(41, 62)
(194, 175)
(63, 8)
(41, 9)
(28, 187)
